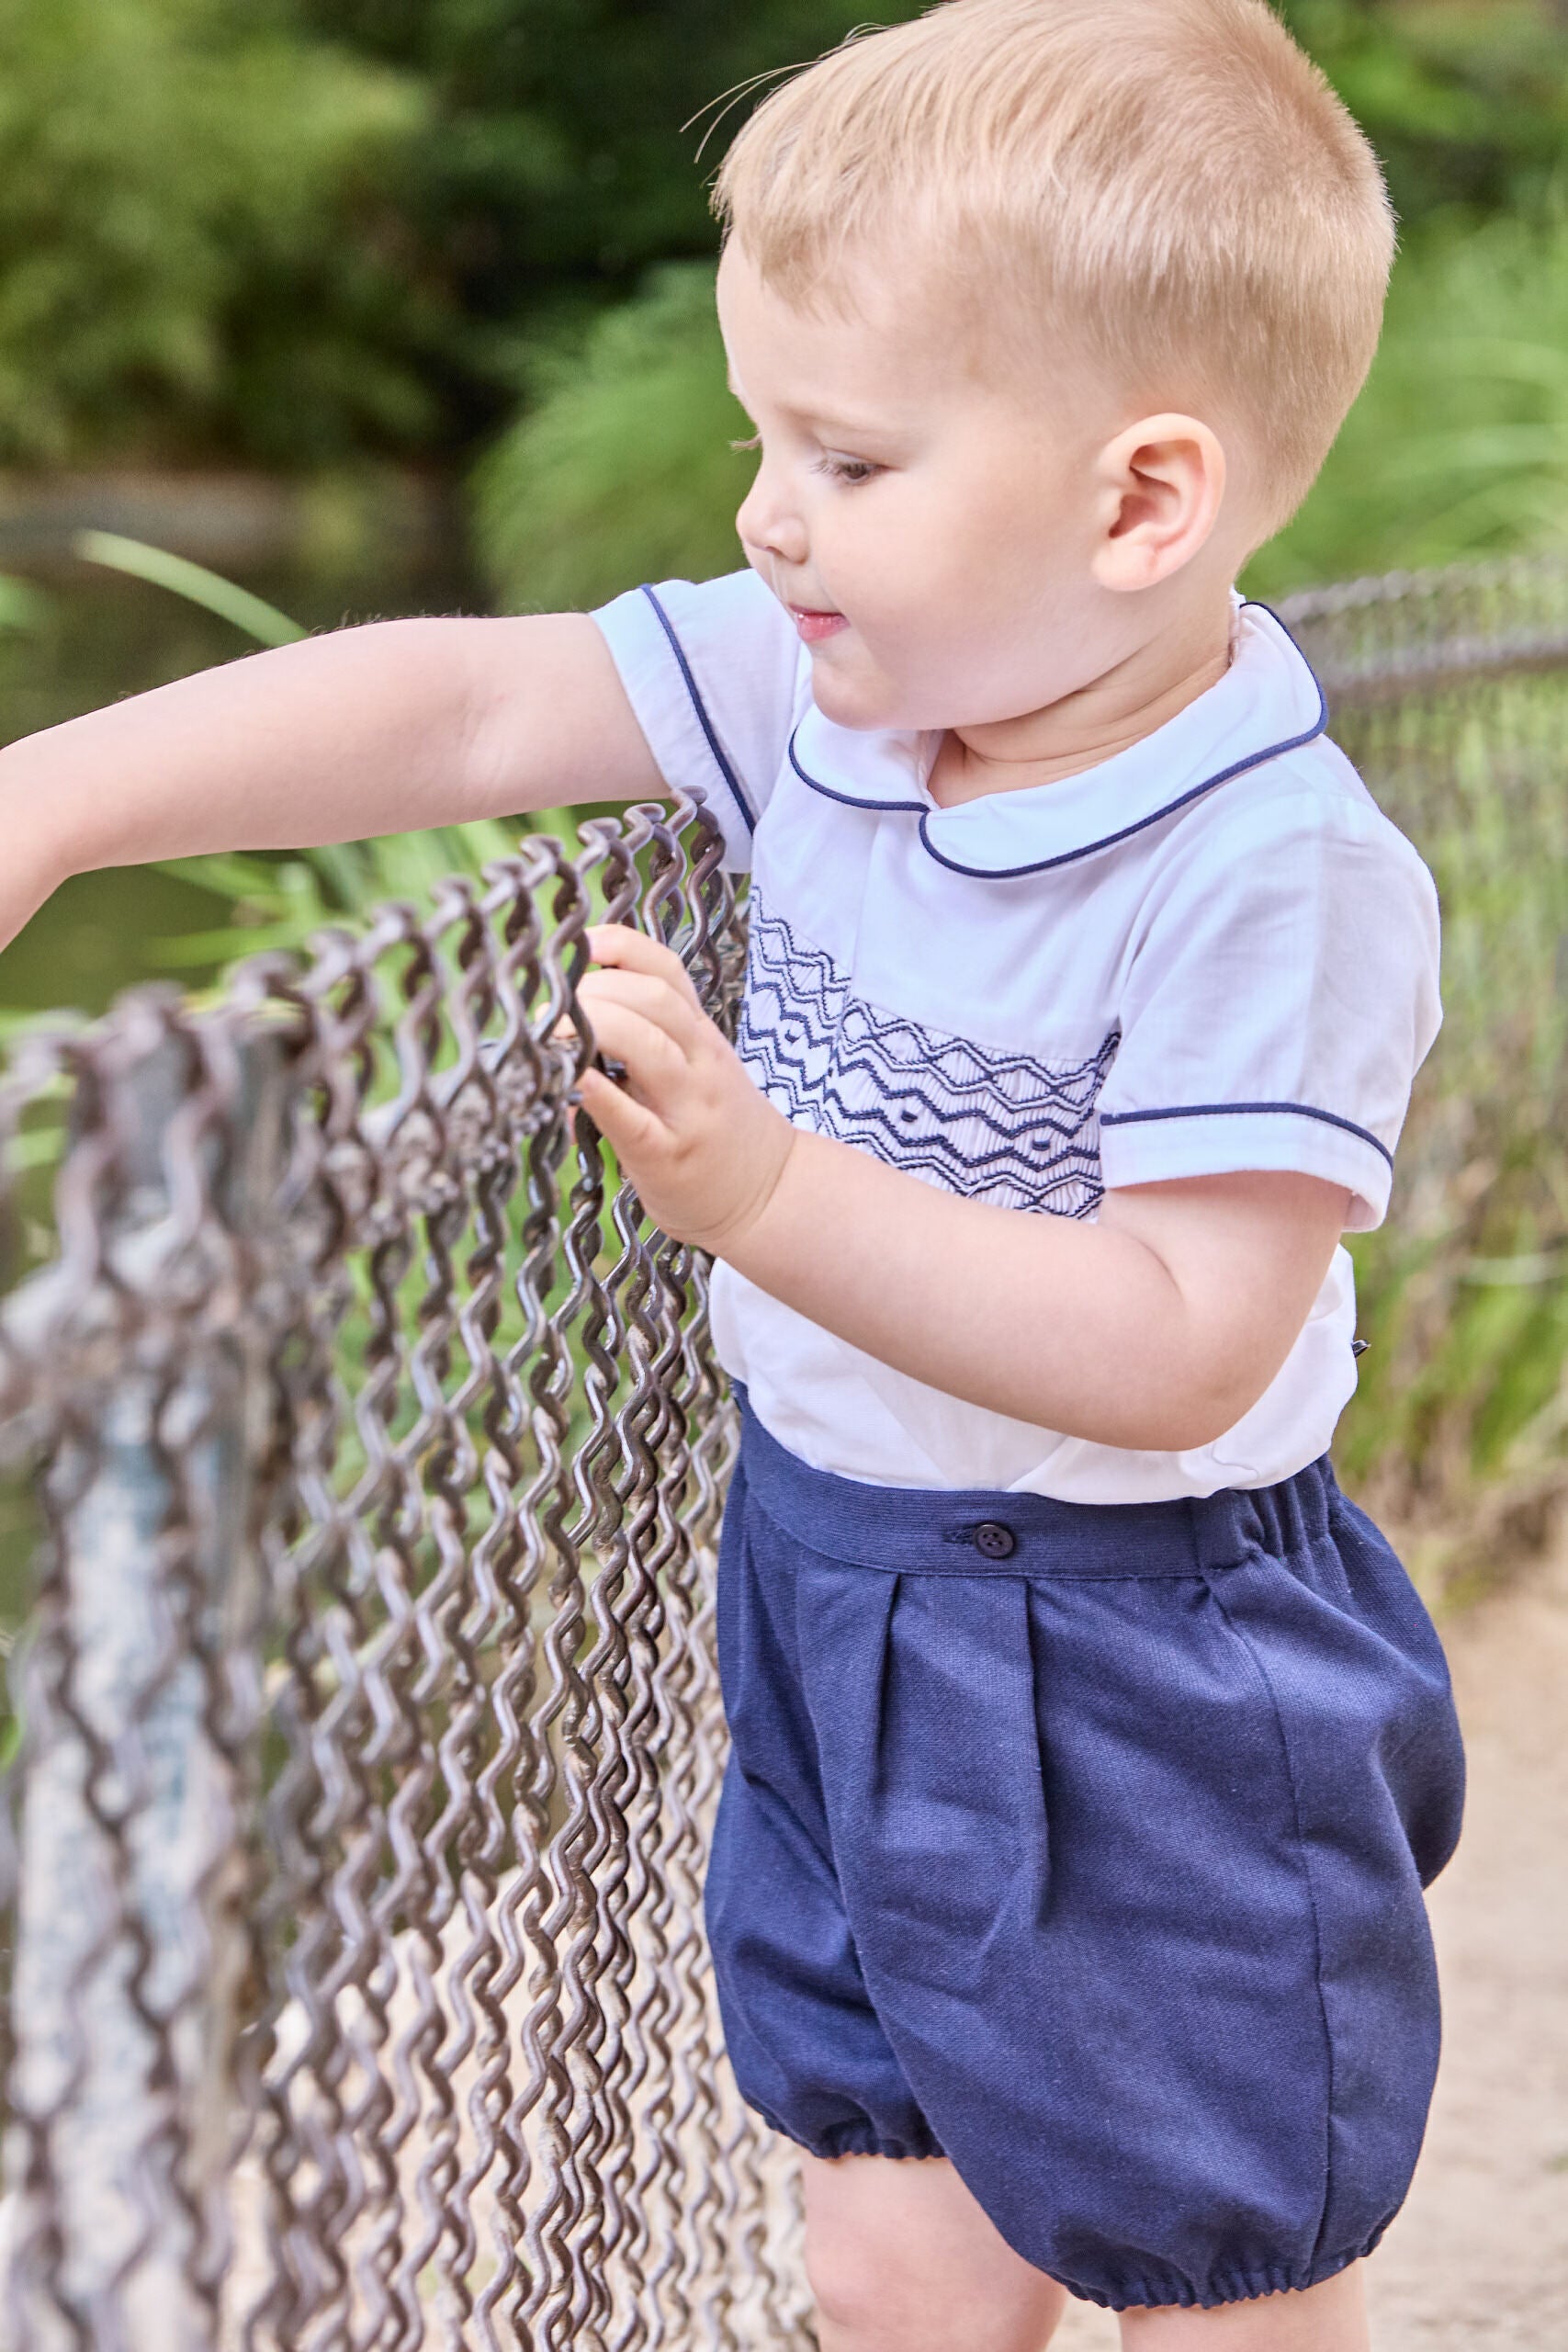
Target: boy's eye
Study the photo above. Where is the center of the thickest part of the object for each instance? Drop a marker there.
(852, 470)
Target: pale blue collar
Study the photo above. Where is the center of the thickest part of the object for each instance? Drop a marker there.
(1268, 702)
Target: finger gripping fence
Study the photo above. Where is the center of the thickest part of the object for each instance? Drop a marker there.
(370, 1727)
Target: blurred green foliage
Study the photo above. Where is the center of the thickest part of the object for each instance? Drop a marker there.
(200, 250)
(560, 157)
(1459, 445)
(620, 468)
(1467, 104)
(292, 230)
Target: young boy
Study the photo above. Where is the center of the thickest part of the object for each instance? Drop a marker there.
(1090, 1749)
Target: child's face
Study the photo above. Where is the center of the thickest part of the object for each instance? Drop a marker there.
(954, 523)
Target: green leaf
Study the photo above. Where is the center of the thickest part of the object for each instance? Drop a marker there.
(192, 581)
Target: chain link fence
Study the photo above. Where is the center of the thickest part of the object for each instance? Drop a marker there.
(369, 1726)
(1449, 692)
(367, 1732)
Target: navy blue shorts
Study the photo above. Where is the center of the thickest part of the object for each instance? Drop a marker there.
(1084, 1845)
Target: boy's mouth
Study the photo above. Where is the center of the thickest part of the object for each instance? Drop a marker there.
(815, 625)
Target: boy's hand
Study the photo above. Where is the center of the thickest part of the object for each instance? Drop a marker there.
(702, 1147)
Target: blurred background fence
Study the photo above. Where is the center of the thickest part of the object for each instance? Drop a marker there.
(365, 1729)
(1449, 692)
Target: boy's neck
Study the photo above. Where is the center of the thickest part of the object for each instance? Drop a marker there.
(1131, 699)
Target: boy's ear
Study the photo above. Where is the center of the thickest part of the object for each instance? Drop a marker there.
(1159, 485)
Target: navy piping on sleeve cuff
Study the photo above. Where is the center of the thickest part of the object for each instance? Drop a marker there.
(1223, 1110)
(748, 814)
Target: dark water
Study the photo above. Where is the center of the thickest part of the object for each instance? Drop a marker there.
(103, 637)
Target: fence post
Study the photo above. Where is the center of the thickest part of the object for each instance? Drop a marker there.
(140, 1692)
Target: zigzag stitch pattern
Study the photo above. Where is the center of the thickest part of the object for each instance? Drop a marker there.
(999, 1126)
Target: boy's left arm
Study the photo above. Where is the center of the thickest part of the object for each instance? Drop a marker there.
(1156, 1328)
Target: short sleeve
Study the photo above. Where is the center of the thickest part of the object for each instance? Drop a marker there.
(1282, 995)
(712, 670)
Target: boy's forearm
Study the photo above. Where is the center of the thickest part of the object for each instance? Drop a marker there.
(359, 732)
(1078, 1328)
(1085, 1329)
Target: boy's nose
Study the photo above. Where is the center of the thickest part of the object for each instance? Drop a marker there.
(767, 526)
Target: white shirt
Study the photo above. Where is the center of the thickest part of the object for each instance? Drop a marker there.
(1210, 952)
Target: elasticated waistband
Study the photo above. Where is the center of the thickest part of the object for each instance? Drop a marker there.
(967, 1531)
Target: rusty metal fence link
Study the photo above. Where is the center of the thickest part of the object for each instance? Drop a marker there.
(370, 1728)
(367, 1730)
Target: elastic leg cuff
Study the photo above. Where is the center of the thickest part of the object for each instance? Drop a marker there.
(861, 2139)
(1154, 2292)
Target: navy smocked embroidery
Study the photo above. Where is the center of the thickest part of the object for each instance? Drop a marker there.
(998, 1126)
(748, 814)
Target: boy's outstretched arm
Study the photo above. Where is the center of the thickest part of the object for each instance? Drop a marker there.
(381, 729)
(1156, 1328)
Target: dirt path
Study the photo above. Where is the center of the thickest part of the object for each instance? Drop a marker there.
(1478, 2259)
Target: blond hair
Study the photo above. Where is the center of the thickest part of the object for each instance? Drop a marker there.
(1170, 184)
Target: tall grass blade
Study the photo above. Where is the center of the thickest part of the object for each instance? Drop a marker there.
(253, 614)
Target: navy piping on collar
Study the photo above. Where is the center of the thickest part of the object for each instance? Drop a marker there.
(1070, 857)
(1220, 1110)
(748, 814)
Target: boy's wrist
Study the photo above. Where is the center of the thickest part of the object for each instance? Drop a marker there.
(36, 863)
(753, 1234)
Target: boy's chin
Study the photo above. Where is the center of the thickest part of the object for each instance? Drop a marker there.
(851, 702)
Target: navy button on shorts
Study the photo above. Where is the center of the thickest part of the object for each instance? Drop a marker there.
(1093, 1861)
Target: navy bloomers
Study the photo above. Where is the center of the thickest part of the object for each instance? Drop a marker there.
(1084, 1843)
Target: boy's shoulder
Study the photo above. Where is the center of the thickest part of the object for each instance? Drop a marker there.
(1294, 792)
(1311, 793)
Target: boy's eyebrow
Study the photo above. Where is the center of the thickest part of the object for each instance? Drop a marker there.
(822, 416)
